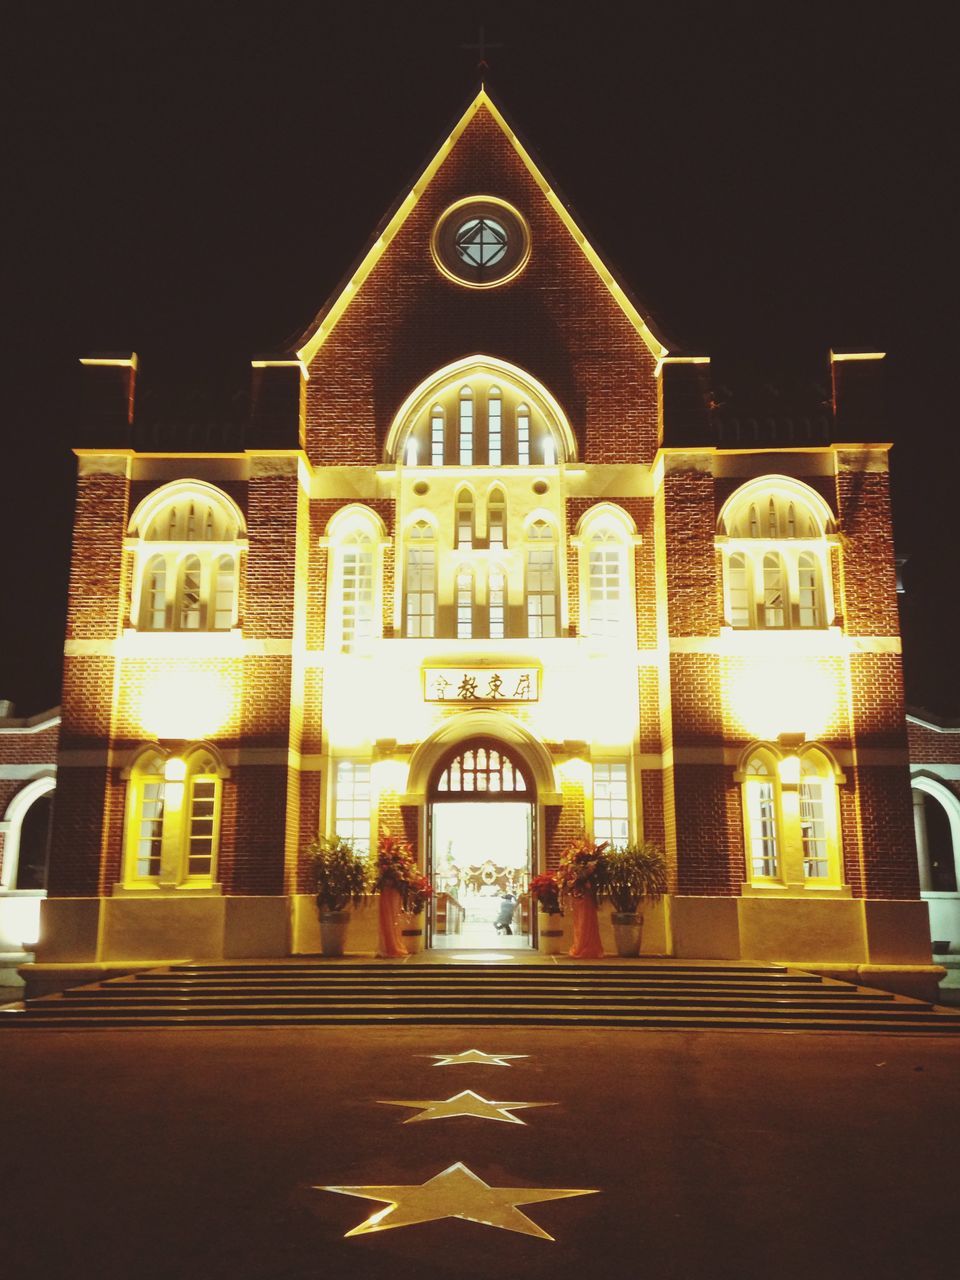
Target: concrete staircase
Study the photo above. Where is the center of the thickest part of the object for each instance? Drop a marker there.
(656, 994)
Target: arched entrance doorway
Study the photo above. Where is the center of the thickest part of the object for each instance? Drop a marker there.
(481, 837)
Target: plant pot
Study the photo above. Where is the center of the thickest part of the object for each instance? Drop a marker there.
(411, 930)
(333, 931)
(549, 933)
(627, 932)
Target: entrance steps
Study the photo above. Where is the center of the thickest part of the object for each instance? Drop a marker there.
(638, 994)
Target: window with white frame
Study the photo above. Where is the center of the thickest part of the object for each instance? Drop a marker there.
(173, 819)
(496, 519)
(497, 422)
(496, 603)
(187, 542)
(436, 436)
(611, 803)
(774, 533)
(352, 804)
(356, 590)
(791, 828)
(465, 602)
(464, 513)
(420, 582)
(466, 427)
(760, 802)
(494, 427)
(541, 581)
(606, 583)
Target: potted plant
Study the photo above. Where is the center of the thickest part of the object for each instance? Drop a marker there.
(634, 872)
(582, 877)
(418, 891)
(340, 881)
(545, 891)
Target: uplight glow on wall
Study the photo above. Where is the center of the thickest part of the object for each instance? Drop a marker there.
(189, 705)
(766, 697)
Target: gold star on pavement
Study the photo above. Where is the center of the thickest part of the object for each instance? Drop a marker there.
(466, 1103)
(457, 1192)
(476, 1056)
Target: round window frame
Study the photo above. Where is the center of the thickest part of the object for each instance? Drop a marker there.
(443, 242)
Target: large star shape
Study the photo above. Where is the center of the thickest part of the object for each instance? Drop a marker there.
(457, 1192)
(466, 1103)
(475, 1056)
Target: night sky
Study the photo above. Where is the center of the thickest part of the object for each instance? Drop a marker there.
(192, 181)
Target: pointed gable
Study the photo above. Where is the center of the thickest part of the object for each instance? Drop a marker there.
(563, 316)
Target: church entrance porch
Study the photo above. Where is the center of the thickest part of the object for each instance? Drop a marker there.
(480, 852)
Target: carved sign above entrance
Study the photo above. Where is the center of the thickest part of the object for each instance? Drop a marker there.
(481, 684)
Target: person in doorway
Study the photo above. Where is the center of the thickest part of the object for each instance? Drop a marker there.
(504, 920)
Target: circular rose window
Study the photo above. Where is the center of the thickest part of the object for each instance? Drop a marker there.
(481, 241)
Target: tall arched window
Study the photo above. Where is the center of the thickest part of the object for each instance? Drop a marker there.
(466, 427)
(541, 581)
(496, 519)
(760, 813)
(791, 818)
(356, 590)
(465, 603)
(497, 603)
(774, 534)
(464, 520)
(188, 544)
(605, 535)
(494, 427)
(523, 435)
(173, 818)
(420, 588)
(436, 436)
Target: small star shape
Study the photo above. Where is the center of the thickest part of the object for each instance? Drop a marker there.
(457, 1192)
(474, 1056)
(466, 1103)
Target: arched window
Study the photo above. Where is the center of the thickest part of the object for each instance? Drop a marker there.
(356, 590)
(482, 768)
(774, 593)
(774, 535)
(502, 417)
(465, 603)
(173, 819)
(541, 581)
(466, 427)
(523, 435)
(420, 588)
(606, 588)
(791, 818)
(497, 603)
(760, 811)
(188, 547)
(464, 520)
(436, 436)
(936, 812)
(494, 427)
(496, 519)
(188, 594)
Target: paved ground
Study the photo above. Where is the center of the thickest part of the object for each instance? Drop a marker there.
(191, 1155)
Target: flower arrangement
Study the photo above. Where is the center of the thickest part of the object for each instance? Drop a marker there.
(583, 869)
(419, 890)
(545, 891)
(396, 868)
(339, 873)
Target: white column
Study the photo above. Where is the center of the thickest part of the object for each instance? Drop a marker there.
(923, 847)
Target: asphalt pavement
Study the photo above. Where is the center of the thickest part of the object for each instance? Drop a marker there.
(197, 1155)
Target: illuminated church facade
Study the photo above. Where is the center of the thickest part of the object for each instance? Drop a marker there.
(489, 576)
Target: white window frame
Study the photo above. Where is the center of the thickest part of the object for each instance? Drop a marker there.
(611, 798)
(352, 803)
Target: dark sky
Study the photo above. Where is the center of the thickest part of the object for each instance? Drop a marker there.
(192, 181)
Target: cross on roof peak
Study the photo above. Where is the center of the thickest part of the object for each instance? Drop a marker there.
(481, 47)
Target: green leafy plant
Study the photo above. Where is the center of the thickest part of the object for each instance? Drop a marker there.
(340, 874)
(634, 872)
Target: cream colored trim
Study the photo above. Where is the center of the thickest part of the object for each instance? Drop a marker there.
(281, 364)
(930, 724)
(180, 644)
(332, 317)
(117, 362)
(24, 772)
(783, 642)
(837, 356)
(32, 724)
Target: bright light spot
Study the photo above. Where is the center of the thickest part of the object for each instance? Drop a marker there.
(20, 921)
(549, 452)
(765, 698)
(411, 453)
(789, 769)
(175, 769)
(188, 704)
